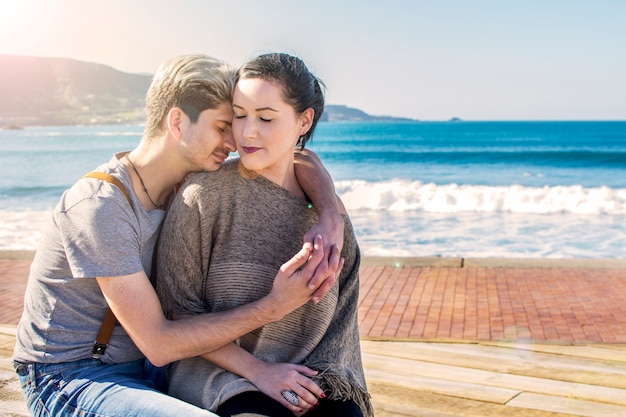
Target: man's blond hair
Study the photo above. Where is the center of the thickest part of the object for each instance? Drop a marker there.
(193, 83)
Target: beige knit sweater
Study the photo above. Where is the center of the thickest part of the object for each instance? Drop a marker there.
(223, 241)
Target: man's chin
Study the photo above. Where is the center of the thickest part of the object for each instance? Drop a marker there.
(215, 162)
(212, 167)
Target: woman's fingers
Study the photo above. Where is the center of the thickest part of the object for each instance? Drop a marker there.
(298, 260)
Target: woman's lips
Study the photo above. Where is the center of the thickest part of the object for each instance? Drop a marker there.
(250, 149)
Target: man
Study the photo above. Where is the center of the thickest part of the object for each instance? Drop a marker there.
(97, 253)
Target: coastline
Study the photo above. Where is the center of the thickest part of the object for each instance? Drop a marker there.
(473, 262)
(440, 262)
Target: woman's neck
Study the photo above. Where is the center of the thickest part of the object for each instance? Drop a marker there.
(283, 176)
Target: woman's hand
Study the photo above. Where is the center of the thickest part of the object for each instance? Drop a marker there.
(292, 285)
(273, 378)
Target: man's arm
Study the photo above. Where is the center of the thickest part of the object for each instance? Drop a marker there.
(319, 187)
(136, 306)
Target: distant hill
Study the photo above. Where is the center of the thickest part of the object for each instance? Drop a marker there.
(60, 91)
(63, 91)
(341, 113)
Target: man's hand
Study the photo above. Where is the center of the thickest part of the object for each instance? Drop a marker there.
(319, 187)
(330, 227)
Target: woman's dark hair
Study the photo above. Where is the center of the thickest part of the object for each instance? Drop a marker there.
(301, 89)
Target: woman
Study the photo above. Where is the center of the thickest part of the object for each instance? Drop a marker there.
(277, 103)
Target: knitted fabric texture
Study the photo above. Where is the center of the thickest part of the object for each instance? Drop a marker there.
(223, 241)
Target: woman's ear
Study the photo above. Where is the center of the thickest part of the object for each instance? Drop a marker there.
(306, 120)
(175, 121)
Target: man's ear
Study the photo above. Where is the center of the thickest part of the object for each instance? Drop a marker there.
(306, 120)
(175, 122)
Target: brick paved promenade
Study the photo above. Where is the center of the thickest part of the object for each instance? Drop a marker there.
(556, 304)
(455, 299)
(573, 310)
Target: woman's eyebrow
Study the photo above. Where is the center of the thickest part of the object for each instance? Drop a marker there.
(258, 109)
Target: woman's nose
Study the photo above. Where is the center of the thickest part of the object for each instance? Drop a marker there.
(249, 129)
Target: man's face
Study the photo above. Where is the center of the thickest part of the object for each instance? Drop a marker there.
(208, 142)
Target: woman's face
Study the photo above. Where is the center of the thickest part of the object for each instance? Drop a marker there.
(266, 128)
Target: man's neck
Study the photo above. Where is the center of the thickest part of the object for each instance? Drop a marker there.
(157, 167)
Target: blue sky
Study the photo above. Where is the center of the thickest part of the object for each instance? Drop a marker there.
(428, 60)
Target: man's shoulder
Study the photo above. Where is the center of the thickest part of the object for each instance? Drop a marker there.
(94, 193)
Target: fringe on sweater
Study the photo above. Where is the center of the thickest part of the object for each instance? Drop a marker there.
(339, 383)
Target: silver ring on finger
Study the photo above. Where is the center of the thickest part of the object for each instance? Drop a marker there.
(291, 397)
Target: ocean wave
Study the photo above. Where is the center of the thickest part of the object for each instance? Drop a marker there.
(88, 132)
(402, 195)
(466, 234)
(129, 133)
(607, 158)
(34, 191)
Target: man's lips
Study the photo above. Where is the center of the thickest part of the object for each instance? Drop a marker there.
(221, 156)
(250, 149)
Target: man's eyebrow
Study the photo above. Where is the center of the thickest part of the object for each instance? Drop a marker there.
(228, 122)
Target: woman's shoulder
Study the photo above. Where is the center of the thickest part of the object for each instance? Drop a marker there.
(211, 179)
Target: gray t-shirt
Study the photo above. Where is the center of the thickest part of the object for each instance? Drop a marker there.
(93, 232)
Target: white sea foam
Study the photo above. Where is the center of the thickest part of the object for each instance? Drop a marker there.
(484, 234)
(21, 230)
(403, 196)
(399, 218)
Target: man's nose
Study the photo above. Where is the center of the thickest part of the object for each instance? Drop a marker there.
(229, 141)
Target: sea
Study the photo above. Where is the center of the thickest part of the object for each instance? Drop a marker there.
(450, 189)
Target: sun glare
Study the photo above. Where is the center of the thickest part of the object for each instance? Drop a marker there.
(25, 24)
(12, 13)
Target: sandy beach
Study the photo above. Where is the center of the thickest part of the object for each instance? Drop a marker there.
(463, 317)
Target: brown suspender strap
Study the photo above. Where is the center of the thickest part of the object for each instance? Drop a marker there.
(109, 178)
(106, 329)
(104, 335)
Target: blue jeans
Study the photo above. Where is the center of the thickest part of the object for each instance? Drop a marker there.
(90, 388)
